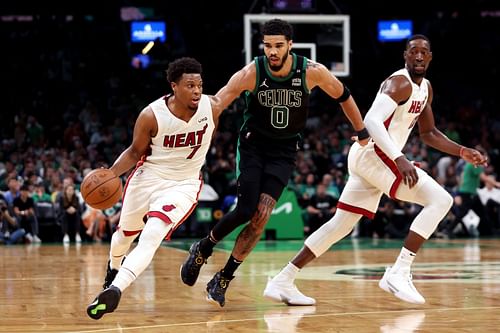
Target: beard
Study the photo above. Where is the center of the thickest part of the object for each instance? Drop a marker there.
(419, 74)
(276, 68)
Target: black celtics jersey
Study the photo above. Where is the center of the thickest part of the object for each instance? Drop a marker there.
(277, 108)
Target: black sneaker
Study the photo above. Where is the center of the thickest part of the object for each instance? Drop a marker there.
(110, 276)
(105, 302)
(216, 289)
(190, 269)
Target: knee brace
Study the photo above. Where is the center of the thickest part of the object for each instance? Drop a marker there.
(339, 226)
(436, 203)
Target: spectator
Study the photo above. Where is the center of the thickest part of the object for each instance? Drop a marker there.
(40, 195)
(94, 222)
(10, 233)
(330, 185)
(490, 199)
(70, 214)
(321, 208)
(24, 211)
(467, 198)
(13, 191)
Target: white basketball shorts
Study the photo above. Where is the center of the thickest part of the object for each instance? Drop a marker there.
(371, 174)
(148, 195)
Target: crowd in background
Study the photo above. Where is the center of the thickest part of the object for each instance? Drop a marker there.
(71, 107)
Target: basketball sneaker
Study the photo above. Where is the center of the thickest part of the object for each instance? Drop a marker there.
(400, 284)
(216, 289)
(286, 292)
(190, 269)
(105, 302)
(110, 276)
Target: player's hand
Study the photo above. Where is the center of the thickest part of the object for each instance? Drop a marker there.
(407, 170)
(474, 157)
(363, 142)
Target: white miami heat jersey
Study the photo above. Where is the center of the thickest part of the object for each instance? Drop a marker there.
(405, 116)
(179, 148)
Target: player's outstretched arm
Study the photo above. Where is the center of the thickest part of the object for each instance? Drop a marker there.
(145, 128)
(242, 80)
(433, 137)
(317, 75)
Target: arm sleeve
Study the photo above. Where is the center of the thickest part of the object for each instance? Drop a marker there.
(383, 106)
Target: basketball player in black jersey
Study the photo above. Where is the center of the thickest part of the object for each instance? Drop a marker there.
(276, 88)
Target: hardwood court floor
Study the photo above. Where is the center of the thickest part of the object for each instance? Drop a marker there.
(47, 288)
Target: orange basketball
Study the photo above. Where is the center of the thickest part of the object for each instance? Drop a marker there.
(101, 188)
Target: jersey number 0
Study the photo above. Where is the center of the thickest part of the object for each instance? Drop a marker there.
(280, 116)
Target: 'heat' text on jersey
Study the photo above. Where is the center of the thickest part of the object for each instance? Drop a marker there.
(415, 107)
(185, 139)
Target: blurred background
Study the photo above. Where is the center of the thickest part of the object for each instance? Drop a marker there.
(76, 75)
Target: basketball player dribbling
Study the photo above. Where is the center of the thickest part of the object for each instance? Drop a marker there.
(170, 142)
(403, 100)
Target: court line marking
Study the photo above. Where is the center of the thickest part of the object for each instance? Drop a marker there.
(119, 329)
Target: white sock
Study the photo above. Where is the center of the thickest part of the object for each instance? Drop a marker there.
(288, 273)
(405, 259)
(124, 278)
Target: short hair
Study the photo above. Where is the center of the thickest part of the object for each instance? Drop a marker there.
(417, 36)
(184, 65)
(277, 27)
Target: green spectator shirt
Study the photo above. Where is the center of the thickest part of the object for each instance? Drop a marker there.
(470, 179)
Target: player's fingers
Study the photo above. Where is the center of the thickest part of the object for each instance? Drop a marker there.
(354, 138)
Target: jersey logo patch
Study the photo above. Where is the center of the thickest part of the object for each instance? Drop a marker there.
(297, 82)
(264, 84)
(202, 120)
(168, 208)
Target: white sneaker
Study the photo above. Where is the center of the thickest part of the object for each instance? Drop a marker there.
(78, 239)
(287, 293)
(29, 237)
(399, 283)
(36, 239)
(66, 239)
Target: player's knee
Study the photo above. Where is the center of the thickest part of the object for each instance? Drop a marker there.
(245, 212)
(444, 201)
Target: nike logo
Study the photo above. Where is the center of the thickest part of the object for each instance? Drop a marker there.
(263, 84)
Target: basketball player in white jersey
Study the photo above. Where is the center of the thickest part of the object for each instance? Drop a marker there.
(170, 141)
(403, 100)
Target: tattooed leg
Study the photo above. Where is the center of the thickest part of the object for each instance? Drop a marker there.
(250, 235)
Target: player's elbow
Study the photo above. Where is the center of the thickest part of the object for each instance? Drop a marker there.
(428, 137)
(134, 153)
